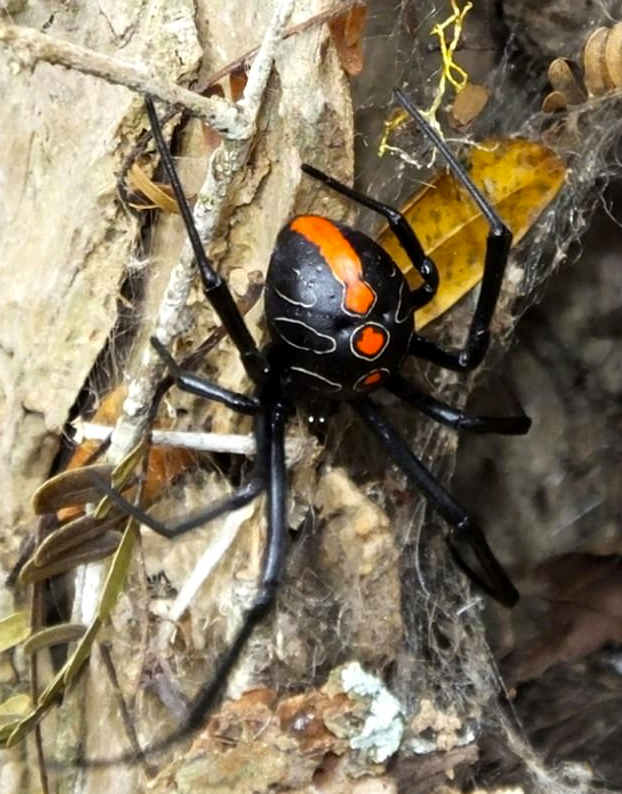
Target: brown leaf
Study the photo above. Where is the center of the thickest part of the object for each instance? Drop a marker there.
(597, 79)
(468, 105)
(347, 32)
(237, 82)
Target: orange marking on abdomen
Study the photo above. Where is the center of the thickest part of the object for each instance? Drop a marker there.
(373, 378)
(370, 340)
(341, 258)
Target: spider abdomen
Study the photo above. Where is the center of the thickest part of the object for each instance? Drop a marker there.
(337, 308)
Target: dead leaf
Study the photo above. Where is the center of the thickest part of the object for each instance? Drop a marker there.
(519, 177)
(347, 32)
(158, 194)
(468, 105)
(583, 598)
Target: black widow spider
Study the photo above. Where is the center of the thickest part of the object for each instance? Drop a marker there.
(341, 320)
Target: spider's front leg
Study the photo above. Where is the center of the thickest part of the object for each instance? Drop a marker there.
(497, 250)
(201, 387)
(270, 473)
(215, 288)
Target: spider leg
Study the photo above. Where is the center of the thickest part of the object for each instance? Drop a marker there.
(454, 417)
(271, 450)
(465, 536)
(498, 245)
(215, 288)
(400, 228)
(194, 384)
(240, 496)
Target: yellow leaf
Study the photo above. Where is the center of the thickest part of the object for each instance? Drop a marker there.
(14, 708)
(60, 634)
(519, 178)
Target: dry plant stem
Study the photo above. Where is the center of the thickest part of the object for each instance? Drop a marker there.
(229, 443)
(315, 21)
(227, 161)
(29, 46)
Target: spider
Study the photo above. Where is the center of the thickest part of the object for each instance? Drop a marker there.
(341, 320)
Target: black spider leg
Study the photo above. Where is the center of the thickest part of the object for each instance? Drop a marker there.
(189, 382)
(489, 576)
(241, 496)
(400, 228)
(454, 417)
(272, 566)
(270, 432)
(202, 387)
(498, 245)
(215, 288)
(268, 472)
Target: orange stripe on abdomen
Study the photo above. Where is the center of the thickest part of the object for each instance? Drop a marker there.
(341, 258)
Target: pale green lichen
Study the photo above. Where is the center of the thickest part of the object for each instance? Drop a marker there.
(383, 721)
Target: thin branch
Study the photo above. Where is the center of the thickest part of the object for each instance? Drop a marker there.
(29, 47)
(294, 30)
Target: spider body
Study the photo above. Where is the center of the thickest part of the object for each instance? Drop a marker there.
(341, 319)
(338, 310)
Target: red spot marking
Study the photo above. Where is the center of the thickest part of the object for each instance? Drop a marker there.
(370, 340)
(373, 378)
(341, 258)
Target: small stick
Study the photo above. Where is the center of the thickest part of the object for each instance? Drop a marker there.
(29, 46)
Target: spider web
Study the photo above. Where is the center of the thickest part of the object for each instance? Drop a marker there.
(442, 654)
(456, 666)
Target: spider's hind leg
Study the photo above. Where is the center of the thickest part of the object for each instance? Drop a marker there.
(215, 288)
(400, 227)
(454, 417)
(466, 540)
